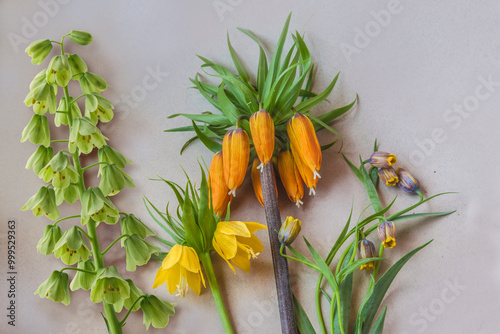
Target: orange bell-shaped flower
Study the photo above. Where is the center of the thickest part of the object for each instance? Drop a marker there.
(235, 156)
(290, 177)
(218, 188)
(306, 173)
(262, 129)
(303, 139)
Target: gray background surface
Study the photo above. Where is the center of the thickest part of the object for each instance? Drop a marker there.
(428, 79)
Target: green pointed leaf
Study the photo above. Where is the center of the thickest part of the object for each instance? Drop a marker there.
(314, 101)
(237, 63)
(378, 326)
(209, 143)
(303, 322)
(424, 214)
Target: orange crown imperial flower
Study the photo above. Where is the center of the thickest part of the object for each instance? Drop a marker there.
(304, 142)
(290, 177)
(235, 156)
(262, 129)
(257, 188)
(306, 174)
(180, 270)
(218, 188)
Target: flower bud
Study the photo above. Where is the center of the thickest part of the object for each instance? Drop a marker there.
(85, 136)
(255, 175)
(407, 182)
(40, 158)
(39, 50)
(77, 66)
(387, 234)
(80, 37)
(156, 311)
(366, 250)
(98, 207)
(130, 224)
(219, 190)
(92, 83)
(382, 159)
(44, 202)
(289, 230)
(388, 176)
(306, 174)
(235, 156)
(55, 288)
(109, 286)
(262, 129)
(113, 180)
(37, 131)
(290, 177)
(71, 247)
(304, 143)
(59, 71)
(60, 170)
(50, 237)
(138, 251)
(84, 280)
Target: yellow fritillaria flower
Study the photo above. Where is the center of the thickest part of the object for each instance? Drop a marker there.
(181, 270)
(235, 241)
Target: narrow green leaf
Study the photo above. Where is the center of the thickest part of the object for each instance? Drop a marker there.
(237, 63)
(378, 326)
(227, 107)
(323, 267)
(345, 295)
(262, 66)
(209, 143)
(211, 119)
(303, 322)
(333, 114)
(312, 102)
(354, 169)
(370, 188)
(424, 214)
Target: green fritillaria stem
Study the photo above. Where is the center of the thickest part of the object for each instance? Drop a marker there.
(113, 323)
(212, 281)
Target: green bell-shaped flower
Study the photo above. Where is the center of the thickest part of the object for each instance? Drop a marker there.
(113, 180)
(71, 247)
(130, 302)
(77, 66)
(92, 83)
(130, 225)
(138, 251)
(37, 131)
(59, 71)
(85, 136)
(60, 170)
(62, 111)
(55, 288)
(42, 96)
(97, 108)
(110, 287)
(40, 158)
(111, 156)
(84, 280)
(80, 37)
(156, 311)
(50, 237)
(39, 50)
(98, 207)
(43, 203)
(69, 194)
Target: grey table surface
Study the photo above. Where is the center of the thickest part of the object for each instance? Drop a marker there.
(428, 78)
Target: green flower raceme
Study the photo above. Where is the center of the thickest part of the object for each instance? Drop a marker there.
(98, 207)
(109, 287)
(43, 203)
(55, 288)
(71, 247)
(60, 170)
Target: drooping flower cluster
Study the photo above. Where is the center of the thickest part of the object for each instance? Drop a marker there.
(390, 176)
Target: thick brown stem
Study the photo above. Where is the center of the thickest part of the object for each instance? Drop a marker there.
(281, 275)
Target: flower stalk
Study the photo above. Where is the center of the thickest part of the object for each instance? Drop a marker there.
(280, 264)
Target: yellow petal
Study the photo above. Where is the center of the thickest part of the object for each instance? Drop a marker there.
(173, 278)
(193, 281)
(233, 228)
(241, 260)
(253, 227)
(172, 257)
(227, 243)
(160, 278)
(253, 242)
(221, 254)
(189, 260)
